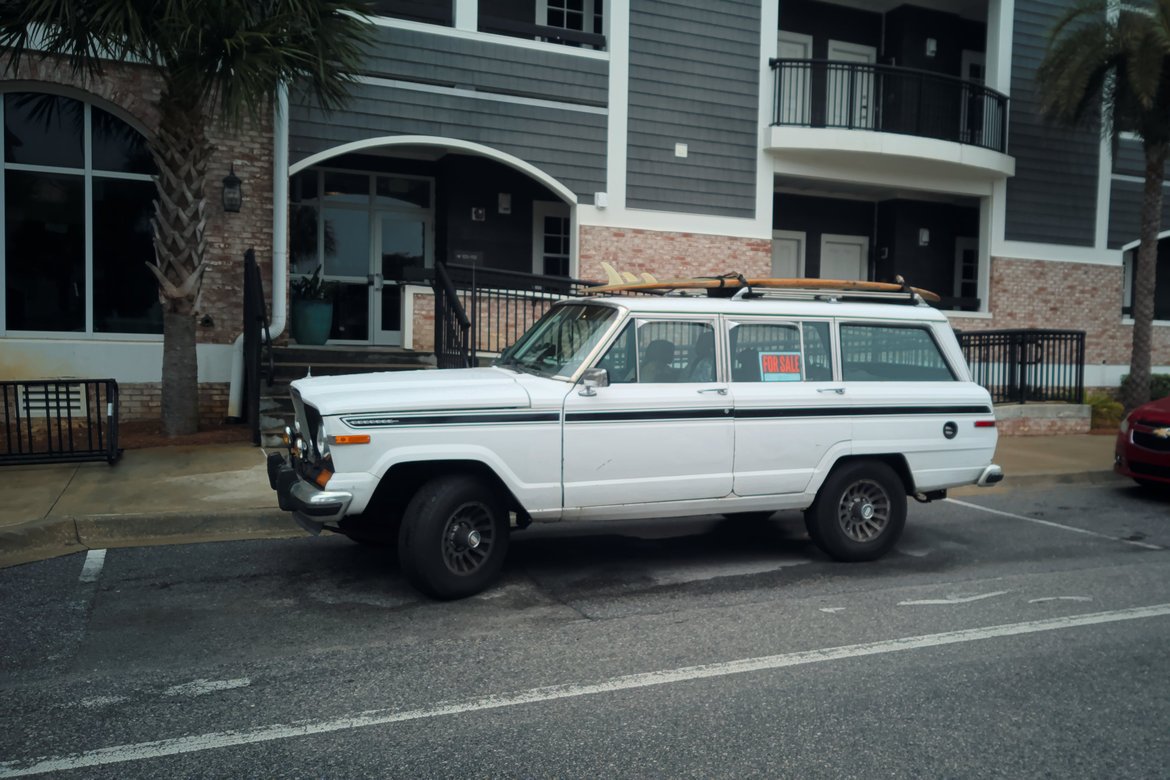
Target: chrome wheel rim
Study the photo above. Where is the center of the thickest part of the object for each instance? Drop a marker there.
(468, 538)
(864, 511)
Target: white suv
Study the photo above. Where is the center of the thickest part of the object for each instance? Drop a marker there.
(638, 407)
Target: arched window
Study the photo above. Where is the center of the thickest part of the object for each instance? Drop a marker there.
(77, 200)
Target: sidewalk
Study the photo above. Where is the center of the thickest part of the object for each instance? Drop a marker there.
(209, 492)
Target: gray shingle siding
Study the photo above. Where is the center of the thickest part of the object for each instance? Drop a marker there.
(694, 79)
(410, 55)
(568, 145)
(1053, 196)
(1125, 212)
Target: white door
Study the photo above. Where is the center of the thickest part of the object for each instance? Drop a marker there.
(844, 257)
(793, 98)
(787, 254)
(551, 238)
(850, 100)
(966, 267)
(402, 245)
(659, 431)
(974, 117)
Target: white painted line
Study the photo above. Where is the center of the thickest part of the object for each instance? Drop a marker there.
(1060, 598)
(832, 610)
(199, 742)
(1051, 524)
(201, 686)
(951, 599)
(92, 568)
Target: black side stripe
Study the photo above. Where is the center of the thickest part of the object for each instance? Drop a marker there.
(664, 414)
(392, 421)
(860, 411)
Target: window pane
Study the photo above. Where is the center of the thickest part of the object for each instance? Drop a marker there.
(762, 352)
(303, 187)
(676, 352)
(351, 313)
(45, 251)
(888, 353)
(349, 233)
(117, 146)
(302, 239)
(347, 188)
(125, 293)
(818, 354)
(619, 358)
(402, 193)
(42, 129)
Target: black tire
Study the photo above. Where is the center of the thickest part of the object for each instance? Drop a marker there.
(438, 552)
(748, 517)
(859, 512)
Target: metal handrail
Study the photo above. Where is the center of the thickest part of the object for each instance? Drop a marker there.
(453, 345)
(888, 98)
(1027, 365)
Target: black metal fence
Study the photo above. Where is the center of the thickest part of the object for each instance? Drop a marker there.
(498, 305)
(59, 421)
(1018, 366)
(889, 99)
(453, 345)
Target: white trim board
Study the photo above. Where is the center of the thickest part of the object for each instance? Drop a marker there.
(674, 222)
(473, 94)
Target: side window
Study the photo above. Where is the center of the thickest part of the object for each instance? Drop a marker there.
(891, 353)
(674, 351)
(764, 352)
(620, 360)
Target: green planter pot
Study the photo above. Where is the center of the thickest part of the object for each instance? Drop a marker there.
(311, 321)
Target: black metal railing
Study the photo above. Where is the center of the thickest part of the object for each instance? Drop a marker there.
(453, 345)
(499, 305)
(888, 99)
(1021, 366)
(59, 421)
(258, 359)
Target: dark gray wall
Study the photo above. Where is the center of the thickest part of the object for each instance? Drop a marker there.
(491, 67)
(568, 145)
(824, 21)
(1125, 212)
(694, 75)
(931, 266)
(1053, 196)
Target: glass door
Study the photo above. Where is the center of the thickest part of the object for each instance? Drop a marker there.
(404, 253)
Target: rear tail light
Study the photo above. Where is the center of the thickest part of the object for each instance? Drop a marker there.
(985, 423)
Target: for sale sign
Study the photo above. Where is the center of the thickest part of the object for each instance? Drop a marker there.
(780, 366)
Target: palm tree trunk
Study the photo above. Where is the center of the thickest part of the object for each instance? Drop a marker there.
(181, 152)
(1137, 387)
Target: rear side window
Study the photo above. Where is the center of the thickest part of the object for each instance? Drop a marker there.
(781, 352)
(891, 353)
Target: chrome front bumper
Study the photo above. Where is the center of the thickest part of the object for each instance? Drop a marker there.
(311, 506)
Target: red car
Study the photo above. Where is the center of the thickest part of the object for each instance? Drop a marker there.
(1143, 444)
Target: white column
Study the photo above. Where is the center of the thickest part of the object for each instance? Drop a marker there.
(466, 14)
(618, 43)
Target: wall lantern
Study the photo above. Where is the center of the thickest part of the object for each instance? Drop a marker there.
(233, 196)
(923, 237)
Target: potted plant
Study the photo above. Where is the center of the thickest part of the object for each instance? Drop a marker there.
(312, 308)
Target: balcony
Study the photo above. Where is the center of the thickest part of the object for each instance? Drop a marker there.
(823, 107)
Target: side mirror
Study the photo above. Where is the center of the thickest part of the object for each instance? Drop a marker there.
(592, 379)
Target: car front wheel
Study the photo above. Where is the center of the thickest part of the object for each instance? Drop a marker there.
(859, 512)
(454, 537)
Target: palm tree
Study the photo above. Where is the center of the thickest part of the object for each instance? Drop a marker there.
(215, 58)
(1110, 61)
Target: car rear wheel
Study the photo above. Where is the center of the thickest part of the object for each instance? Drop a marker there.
(454, 537)
(859, 512)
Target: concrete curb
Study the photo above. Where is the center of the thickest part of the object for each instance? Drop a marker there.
(54, 537)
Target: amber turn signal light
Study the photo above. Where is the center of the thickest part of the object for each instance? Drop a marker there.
(357, 438)
(322, 478)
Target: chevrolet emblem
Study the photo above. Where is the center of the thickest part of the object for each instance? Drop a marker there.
(1161, 433)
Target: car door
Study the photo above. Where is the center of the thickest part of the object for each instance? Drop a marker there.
(790, 413)
(662, 430)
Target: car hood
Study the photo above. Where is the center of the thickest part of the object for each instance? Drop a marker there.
(1154, 413)
(462, 388)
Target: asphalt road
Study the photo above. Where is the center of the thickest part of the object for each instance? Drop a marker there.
(1011, 634)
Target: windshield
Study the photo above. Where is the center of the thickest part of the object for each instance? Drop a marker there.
(560, 340)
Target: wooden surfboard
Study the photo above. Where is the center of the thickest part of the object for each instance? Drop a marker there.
(736, 282)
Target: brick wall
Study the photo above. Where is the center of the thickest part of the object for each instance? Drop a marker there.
(669, 255)
(142, 401)
(1078, 296)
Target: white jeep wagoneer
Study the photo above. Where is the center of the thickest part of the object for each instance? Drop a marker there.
(649, 406)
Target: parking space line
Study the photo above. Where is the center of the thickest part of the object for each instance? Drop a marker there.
(223, 739)
(1051, 524)
(92, 568)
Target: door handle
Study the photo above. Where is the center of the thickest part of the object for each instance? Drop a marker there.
(718, 390)
(837, 390)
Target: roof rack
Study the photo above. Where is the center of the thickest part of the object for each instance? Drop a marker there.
(909, 297)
